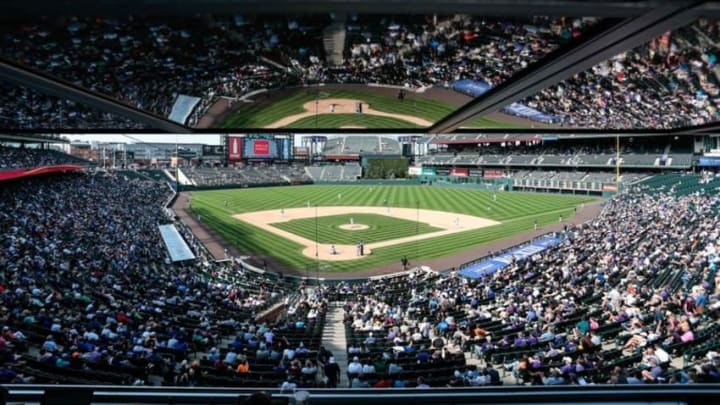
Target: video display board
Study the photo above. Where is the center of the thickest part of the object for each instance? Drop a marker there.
(267, 147)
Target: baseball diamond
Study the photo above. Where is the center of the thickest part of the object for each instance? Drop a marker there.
(297, 108)
(280, 222)
(370, 227)
(434, 224)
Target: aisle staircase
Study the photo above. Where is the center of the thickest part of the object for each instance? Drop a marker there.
(184, 179)
(335, 341)
(334, 41)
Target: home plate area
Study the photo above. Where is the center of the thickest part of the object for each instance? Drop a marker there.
(447, 222)
(354, 227)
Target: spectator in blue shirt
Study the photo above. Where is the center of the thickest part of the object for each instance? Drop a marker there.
(50, 344)
(230, 357)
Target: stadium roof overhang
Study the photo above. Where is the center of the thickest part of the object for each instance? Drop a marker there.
(502, 8)
(643, 20)
(526, 136)
(707, 129)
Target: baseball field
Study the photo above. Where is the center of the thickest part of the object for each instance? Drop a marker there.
(336, 108)
(306, 225)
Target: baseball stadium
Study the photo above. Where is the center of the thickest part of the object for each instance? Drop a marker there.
(423, 202)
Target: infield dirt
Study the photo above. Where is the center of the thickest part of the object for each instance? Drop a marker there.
(343, 106)
(449, 222)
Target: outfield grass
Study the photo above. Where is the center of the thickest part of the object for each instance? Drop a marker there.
(516, 211)
(357, 120)
(379, 228)
(377, 122)
(261, 115)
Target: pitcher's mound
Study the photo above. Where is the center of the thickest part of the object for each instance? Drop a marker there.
(353, 227)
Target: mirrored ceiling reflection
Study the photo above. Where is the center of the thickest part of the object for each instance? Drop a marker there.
(25, 109)
(670, 82)
(300, 71)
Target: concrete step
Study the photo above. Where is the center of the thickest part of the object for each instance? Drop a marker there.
(335, 340)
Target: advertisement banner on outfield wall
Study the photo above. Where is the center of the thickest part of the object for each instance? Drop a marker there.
(708, 162)
(459, 171)
(234, 148)
(493, 173)
(414, 171)
(428, 171)
(610, 187)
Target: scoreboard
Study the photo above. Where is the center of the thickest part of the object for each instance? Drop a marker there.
(260, 147)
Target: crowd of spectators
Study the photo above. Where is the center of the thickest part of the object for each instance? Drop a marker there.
(26, 158)
(417, 51)
(669, 82)
(24, 108)
(467, 144)
(601, 153)
(88, 293)
(392, 338)
(623, 299)
(147, 62)
(248, 175)
(626, 298)
(420, 51)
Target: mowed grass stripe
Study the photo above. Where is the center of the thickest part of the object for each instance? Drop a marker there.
(341, 120)
(380, 228)
(453, 201)
(439, 247)
(517, 211)
(261, 115)
(444, 199)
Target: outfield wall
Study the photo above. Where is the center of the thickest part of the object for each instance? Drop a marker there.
(450, 182)
(372, 182)
(478, 183)
(235, 186)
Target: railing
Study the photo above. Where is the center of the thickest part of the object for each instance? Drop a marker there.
(693, 394)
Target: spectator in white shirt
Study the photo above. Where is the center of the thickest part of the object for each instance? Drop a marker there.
(355, 367)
